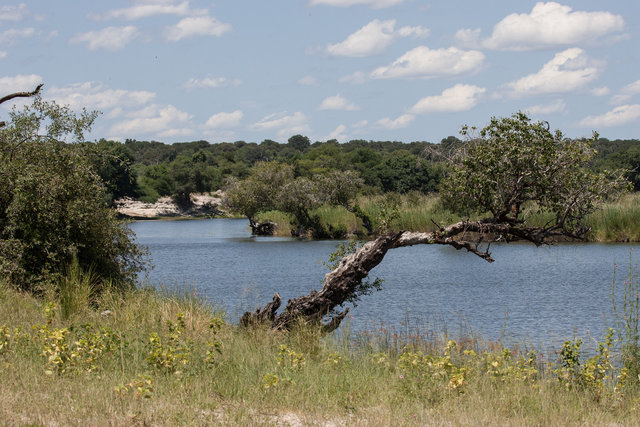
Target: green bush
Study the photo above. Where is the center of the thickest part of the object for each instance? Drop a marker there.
(53, 204)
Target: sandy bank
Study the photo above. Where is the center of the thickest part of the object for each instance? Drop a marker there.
(202, 205)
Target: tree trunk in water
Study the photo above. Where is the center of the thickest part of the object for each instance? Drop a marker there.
(342, 283)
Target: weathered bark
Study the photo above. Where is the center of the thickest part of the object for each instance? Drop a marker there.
(341, 283)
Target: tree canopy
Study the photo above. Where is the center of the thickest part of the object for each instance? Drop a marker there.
(53, 204)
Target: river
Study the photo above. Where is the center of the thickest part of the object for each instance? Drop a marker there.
(531, 296)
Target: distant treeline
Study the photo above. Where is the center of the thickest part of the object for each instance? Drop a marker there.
(150, 169)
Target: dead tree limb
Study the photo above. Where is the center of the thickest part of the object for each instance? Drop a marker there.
(341, 283)
(19, 95)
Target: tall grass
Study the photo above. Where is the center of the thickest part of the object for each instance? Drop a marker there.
(150, 358)
(617, 221)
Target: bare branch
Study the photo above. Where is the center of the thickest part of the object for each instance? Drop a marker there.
(21, 94)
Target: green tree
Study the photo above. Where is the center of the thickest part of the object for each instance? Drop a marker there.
(52, 202)
(516, 162)
(113, 162)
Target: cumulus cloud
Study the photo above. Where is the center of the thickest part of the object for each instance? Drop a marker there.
(548, 25)
(567, 71)
(147, 9)
(373, 38)
(110, 38)
(210, 83)
(337, 102)
(401, 122)
(616, 117)
(376, 4)
(196, 26)
(283, 123)
(424, 62)
(224, 120)
(95, 95)
(8, 37)
(460, 97)
(155, 120)
(556, 106)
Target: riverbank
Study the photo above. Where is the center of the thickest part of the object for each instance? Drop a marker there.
(203, 206)
(144, 358)
(617, 221)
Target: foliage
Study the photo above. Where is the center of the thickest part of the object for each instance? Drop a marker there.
(272, 186)
(516, 162)
(53, 204)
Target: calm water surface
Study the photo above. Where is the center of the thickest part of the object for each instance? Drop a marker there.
(537, 296)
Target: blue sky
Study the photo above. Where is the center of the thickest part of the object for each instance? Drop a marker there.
(407, 70)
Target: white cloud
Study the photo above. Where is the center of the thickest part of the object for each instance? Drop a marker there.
(338, 134)
(145, 10)
(284, 123)
(96, 95)
(14, 13)
(616, 117)
(154, 120)
(224, 120)
(373, 39)
(3, 54)
(8, 37)
(556, 106)
(337, 102)
(424, 62)
(551, 24)
(209, 83)
(626, 93)
(19, 83)
(308, 81)
(376, 4)
(401, 122)
(360, 125)
(468, 38)
(600, 91)
(109, 38)
(460, 97)
(356, 78)
(196, 26)
(567, 71)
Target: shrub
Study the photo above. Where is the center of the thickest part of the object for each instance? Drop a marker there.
(53, 204)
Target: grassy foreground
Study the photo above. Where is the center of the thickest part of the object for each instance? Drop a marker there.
(153, 359)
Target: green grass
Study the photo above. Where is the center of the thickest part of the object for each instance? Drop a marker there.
(154, 359)
(617, 221)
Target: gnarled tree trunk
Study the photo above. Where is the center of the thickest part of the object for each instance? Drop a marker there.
(341, 283)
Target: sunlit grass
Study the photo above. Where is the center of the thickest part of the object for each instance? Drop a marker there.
(208, 372)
